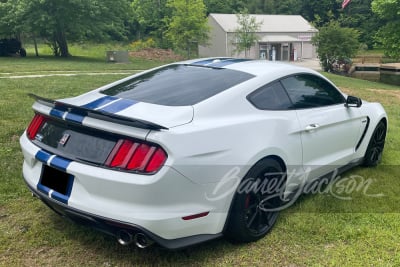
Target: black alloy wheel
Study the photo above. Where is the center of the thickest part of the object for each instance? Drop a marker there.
(374, 152)
(256, 204)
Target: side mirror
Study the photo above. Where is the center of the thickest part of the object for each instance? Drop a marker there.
(353, 102)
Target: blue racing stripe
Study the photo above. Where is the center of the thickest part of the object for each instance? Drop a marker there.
(100, 102)
(60, 163)
(42, 156)
(57, 113)
(60, 197)
(56, 195)
(70, 184)
(43, 189)
(119, 106)
(57, 162)
(75, 118)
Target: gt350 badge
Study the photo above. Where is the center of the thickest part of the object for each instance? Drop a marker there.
(63, 141)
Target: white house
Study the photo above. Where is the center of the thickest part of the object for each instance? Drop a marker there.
(280, 37)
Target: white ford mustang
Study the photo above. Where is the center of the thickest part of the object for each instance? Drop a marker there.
(191, 151)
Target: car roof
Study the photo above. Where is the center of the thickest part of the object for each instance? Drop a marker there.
(254, 67)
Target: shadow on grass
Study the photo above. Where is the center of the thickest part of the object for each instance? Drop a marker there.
(101, 247)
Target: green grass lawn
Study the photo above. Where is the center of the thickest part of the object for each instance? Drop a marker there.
(319, 230)
(86, 58)
(50, 64)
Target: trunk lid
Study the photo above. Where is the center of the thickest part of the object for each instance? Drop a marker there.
(98, 110)
(165, 116)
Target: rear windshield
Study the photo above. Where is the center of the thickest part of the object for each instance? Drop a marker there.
(178, 85)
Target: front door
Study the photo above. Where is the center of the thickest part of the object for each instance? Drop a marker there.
(329, 130)
(329, 137)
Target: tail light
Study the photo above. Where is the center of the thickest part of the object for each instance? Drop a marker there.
(35, 126)
(136, 156)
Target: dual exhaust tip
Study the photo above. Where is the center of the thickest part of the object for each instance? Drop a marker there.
(141, 240)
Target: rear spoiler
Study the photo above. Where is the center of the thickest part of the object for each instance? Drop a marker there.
(98, 114)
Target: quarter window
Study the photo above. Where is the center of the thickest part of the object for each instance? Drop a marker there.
(310, 91)
(270, 97)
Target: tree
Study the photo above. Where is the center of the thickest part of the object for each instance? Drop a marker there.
(245, 34)
(358, 15)
(260, 6)
(150, 15)
(389, 34)
(320, 12)
(287, 7)
(228, 6)
(11, 16)
(60, 20)
(335, 43)
(188, 25)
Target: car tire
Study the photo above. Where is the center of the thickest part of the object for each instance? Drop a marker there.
(254, 212)
(374, 152)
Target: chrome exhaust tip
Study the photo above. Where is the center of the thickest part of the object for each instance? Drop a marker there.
(142, 241)
(124, 238)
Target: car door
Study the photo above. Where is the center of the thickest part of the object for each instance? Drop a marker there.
(330, 131)
(273, 100)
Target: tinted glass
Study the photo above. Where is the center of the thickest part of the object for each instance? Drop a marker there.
(178, 85)
(308, 91)
(270, 97)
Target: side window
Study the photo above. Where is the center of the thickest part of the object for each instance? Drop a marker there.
(310, 91)
(270, 97)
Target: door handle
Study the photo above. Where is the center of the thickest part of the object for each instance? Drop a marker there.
(312, 127)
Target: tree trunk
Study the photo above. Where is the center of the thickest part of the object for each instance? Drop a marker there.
(54, 46)
(61, 39)
(62, 43)
(36, 48)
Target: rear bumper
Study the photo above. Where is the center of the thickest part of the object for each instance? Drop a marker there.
(112, 201)
(114, 227)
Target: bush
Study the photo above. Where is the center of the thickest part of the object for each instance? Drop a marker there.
(335, 44)
(140, 44)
